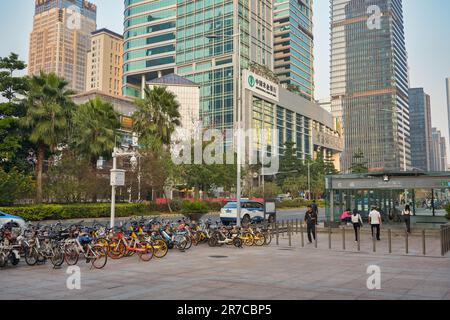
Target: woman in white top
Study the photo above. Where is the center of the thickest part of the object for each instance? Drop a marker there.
(407, 216)
(357, 223)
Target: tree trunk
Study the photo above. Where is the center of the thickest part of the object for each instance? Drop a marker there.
(168, 200)
(93, 162)
(39, 170)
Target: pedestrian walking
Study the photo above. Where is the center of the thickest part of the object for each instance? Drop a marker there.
(375, 222)
(315, 208)
(311, 221)
(406, 213)
(357, 223)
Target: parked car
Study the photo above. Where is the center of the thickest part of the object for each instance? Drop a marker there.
(5, 218)
(283, 197)
(251, 211)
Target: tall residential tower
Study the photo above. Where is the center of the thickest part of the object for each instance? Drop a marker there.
(60, 39)
(104, 63)
(369, 82)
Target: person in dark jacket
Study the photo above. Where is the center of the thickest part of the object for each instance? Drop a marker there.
(311, 222)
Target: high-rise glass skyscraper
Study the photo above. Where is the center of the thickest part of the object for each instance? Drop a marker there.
(420, 120)
(293, 44)
(166, 36)
(149, 42)
(447, 87)
(369, 82)
(61, 39)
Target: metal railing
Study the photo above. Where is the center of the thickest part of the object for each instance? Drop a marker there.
(421, 245)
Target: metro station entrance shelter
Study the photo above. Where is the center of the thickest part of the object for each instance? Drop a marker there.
(426, 193)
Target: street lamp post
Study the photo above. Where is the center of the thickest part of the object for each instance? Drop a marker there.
(118, 179)
(237, 66)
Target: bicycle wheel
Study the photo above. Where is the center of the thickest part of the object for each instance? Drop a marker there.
(147, 251)
(103, 242)
(181, 244)
(58, 257)
(2, 260)
(247, 239)
(237, 242)
(188, 242)
(99, 256)
(71, 254)
(212, 242)
(31, 256)
(116, 250)
(160, 248)
(259, 239)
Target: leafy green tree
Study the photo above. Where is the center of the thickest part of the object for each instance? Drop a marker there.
(48, 115)
(359, 164)
(13, 145)
(95, 126)
(156, 117)
(268, 191)
(14, 186)
(295, 185)
(290, 164)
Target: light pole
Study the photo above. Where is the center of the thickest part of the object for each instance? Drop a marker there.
(118, 179)
(237, 66)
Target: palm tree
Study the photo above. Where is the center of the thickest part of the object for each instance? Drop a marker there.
(48, 117)
(156, 117)
(95, 125)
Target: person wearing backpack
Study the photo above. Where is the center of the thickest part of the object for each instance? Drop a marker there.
(357, 223)
(406, 213)
(375, 222)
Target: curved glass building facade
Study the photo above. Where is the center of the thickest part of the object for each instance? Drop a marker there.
(149, 42)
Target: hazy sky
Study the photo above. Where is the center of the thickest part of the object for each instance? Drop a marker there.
(427, 28)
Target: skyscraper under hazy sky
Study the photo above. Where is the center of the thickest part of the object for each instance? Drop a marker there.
(168, 36)
(369, 82)
(61, 39)
(293, 45)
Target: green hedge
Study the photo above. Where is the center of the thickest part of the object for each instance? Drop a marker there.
(76, 211)
(299, 203)
(102, 210)
(447, 208)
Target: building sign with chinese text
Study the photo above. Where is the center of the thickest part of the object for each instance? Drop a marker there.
(260, 85)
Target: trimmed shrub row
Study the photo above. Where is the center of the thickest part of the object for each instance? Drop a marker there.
(75, 211)
(103, 210)
(299, 203)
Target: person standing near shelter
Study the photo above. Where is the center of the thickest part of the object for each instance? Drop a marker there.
(375, 222)
(407, 217)
(311, 221)
(357, 223)
(315, 208)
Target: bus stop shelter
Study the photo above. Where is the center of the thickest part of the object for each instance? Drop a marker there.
(426, 193)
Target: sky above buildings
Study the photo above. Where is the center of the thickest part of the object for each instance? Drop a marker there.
(427, 29)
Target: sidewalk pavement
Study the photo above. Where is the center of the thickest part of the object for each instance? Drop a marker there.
(226, 273)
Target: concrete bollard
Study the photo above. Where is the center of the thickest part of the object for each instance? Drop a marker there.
(406, 242)
(289, 234)
(424, 249)
(315, 240)
(329, 238)
(390, 240)
(359, 239)
(278, 234)
(302, 235)
(343, 238)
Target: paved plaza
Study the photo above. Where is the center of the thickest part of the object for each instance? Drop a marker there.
(274, 272)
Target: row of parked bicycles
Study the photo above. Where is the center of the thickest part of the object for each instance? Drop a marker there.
(96, 243)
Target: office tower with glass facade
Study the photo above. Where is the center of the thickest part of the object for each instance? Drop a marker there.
(447, 87)
(60, 39)
(149, 42)
(369, 82)
(420, 122)
(198, 40)
(293, 45)
(207, 45)
(438, 151)
(104, 62)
